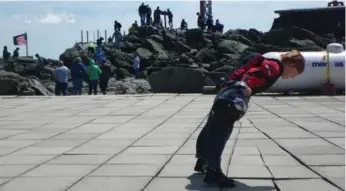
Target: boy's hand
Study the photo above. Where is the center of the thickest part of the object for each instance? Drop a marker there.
(247, 91)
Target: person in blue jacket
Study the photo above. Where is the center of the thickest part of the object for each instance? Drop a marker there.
(78, 73)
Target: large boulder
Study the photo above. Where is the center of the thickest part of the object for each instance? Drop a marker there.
(128, 86)
(156, 48)
(14, 84)
(231, 46)
(177, 80)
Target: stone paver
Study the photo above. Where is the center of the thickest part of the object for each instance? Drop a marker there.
(147, 142)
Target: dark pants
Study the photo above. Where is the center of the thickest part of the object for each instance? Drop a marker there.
(103, 85)
(215, 134)
(60, 88)
(170, 22)
(148, 20)
(77, 86)
(142, 17)
(137, 72)
(93, 87)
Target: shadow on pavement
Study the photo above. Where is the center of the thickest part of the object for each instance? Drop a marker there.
(196, 184)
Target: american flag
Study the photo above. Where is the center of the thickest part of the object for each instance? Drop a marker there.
(20, 39)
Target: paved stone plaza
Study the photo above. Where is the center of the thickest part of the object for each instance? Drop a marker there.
(147, 142)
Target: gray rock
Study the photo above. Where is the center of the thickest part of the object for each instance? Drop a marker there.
(231, 46)
(177, 80)
(144, 53)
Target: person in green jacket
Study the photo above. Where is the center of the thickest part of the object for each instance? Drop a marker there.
(94, 72)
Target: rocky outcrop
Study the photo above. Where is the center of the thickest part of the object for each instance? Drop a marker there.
(173, 61)
(14, 84)
(321, 21)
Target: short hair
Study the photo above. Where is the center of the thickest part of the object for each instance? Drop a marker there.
(295, 58)
(77, 59)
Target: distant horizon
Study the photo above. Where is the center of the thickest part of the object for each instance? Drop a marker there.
(53, 27)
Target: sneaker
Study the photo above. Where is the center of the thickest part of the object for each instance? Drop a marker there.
(217, 178)
(200, 166)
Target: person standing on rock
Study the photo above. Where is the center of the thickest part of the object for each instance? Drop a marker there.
(16, 53)
(6, 54)
(142, 13)
(157, 16)
(105, 76)
(78, 74)
(256, 75)
(40, 64)
(200, 22)
(94, 72)
(210, 23)
(148, 15)
(61, 74)
(170, 18)
(136, 65)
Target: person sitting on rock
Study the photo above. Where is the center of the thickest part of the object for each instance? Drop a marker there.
(136, 65)
(218, 27)
(94, 72)
(142, 13)
(157, 16)
(170, 18)
(183, 24)
(148, 15)
(6, 54)
(91, 48)
(135, 25)
(210, 23)
(231, 103)
(61, 75)
(105, 76)
(16, 53)
(335, 4)
(99, 41)
(110, 39)
(78, 74)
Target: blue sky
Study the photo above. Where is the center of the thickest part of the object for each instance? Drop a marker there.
(54, 26)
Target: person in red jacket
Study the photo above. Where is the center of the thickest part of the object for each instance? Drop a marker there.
(231, 104)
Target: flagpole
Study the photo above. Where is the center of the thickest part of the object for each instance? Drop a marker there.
(26, 45)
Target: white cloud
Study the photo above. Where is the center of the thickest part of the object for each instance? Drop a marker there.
(52, 18)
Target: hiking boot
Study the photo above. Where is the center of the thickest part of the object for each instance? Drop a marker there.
(200, 166)
(217, 178)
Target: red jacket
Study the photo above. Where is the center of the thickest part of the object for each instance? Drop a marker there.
(259, 73)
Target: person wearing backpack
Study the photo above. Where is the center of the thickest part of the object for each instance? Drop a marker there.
(231, 103)
(78, 72)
